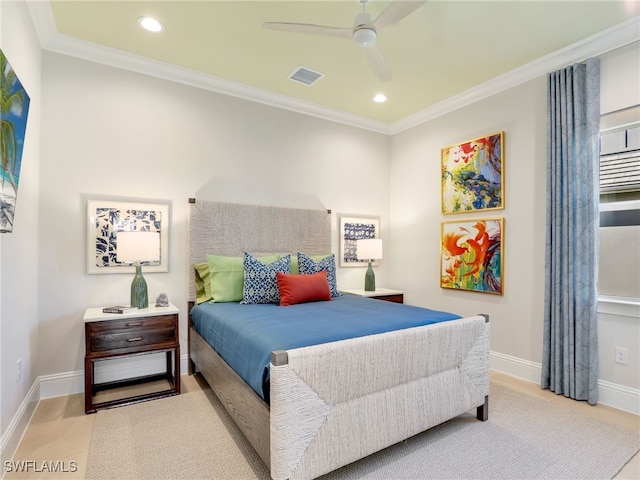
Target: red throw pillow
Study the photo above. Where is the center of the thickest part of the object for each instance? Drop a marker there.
(294, 289)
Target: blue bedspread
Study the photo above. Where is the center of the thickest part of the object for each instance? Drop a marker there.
(245, 335)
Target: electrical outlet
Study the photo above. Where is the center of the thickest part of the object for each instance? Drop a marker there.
(19, 371)
(621, 355)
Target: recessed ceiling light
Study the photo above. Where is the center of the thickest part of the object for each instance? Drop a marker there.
(380, 98)
(150, 24)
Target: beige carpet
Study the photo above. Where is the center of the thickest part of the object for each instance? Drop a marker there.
(191, 437)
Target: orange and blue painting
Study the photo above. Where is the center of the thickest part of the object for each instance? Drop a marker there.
(472, 175)
(472, 256)
(14, 107)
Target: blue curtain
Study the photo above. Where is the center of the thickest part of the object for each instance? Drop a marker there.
(570, 351)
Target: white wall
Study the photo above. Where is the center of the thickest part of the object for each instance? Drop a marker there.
(108, 132)
(517, 316)
(19, 250)
(416, 215)
(620, 327)
(619, 76)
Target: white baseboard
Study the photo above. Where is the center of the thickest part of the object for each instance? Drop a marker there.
(516, 367)
(619, 396)
(610, 394)
(61, 384)
(13, 434)
(73, 382)
(48, 386)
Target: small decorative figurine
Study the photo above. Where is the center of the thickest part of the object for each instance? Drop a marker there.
(162, 300)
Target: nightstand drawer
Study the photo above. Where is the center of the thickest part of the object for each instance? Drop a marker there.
(385, 294)
(391, 298)
(129, 334)
(132, 339)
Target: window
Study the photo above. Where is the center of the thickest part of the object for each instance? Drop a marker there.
(619, 260)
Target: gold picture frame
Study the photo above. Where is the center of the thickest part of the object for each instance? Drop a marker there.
(473, 175)
(472, 255)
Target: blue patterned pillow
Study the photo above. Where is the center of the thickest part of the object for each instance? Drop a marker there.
(307, 265)
(260, 284)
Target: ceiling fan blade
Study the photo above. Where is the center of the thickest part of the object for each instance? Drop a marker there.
(396, 11)
(378, 63)
(310, 29)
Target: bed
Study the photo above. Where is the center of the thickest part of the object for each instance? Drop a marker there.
(323, 408)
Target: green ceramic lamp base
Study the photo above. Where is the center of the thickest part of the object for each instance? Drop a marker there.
(369, 280)
(139, 296)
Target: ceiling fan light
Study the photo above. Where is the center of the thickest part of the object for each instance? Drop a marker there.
(364, 37)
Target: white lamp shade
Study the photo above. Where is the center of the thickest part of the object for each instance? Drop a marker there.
(369, 249)
(138, 246)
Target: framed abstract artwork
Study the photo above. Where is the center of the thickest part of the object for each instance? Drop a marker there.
(473, 175)
(352, 229)
(13, 125)
(108, 218)
(471, 255)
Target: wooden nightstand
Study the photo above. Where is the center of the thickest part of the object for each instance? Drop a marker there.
(114, 335)
(386, 294)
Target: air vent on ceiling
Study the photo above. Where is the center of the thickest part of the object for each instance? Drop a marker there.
(306, 75)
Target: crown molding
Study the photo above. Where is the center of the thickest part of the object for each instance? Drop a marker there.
(596, 45)
(50, 40)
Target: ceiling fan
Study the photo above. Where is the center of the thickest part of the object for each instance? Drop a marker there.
(364, 32)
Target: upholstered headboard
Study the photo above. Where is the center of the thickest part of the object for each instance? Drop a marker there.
(231, 229)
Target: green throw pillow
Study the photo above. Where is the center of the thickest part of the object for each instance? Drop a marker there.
(203, 282)
(227, 276)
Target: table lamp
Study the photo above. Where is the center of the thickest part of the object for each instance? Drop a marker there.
(136, 247)
(369, 249)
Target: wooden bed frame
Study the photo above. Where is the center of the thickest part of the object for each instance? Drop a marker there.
(323, 414)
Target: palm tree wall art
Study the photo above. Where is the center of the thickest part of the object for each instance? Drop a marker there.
(14, 108)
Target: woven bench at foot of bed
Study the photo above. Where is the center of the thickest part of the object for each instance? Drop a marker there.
(390, 387)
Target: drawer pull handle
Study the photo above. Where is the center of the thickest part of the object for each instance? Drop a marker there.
(134, 324)
(135, 339)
